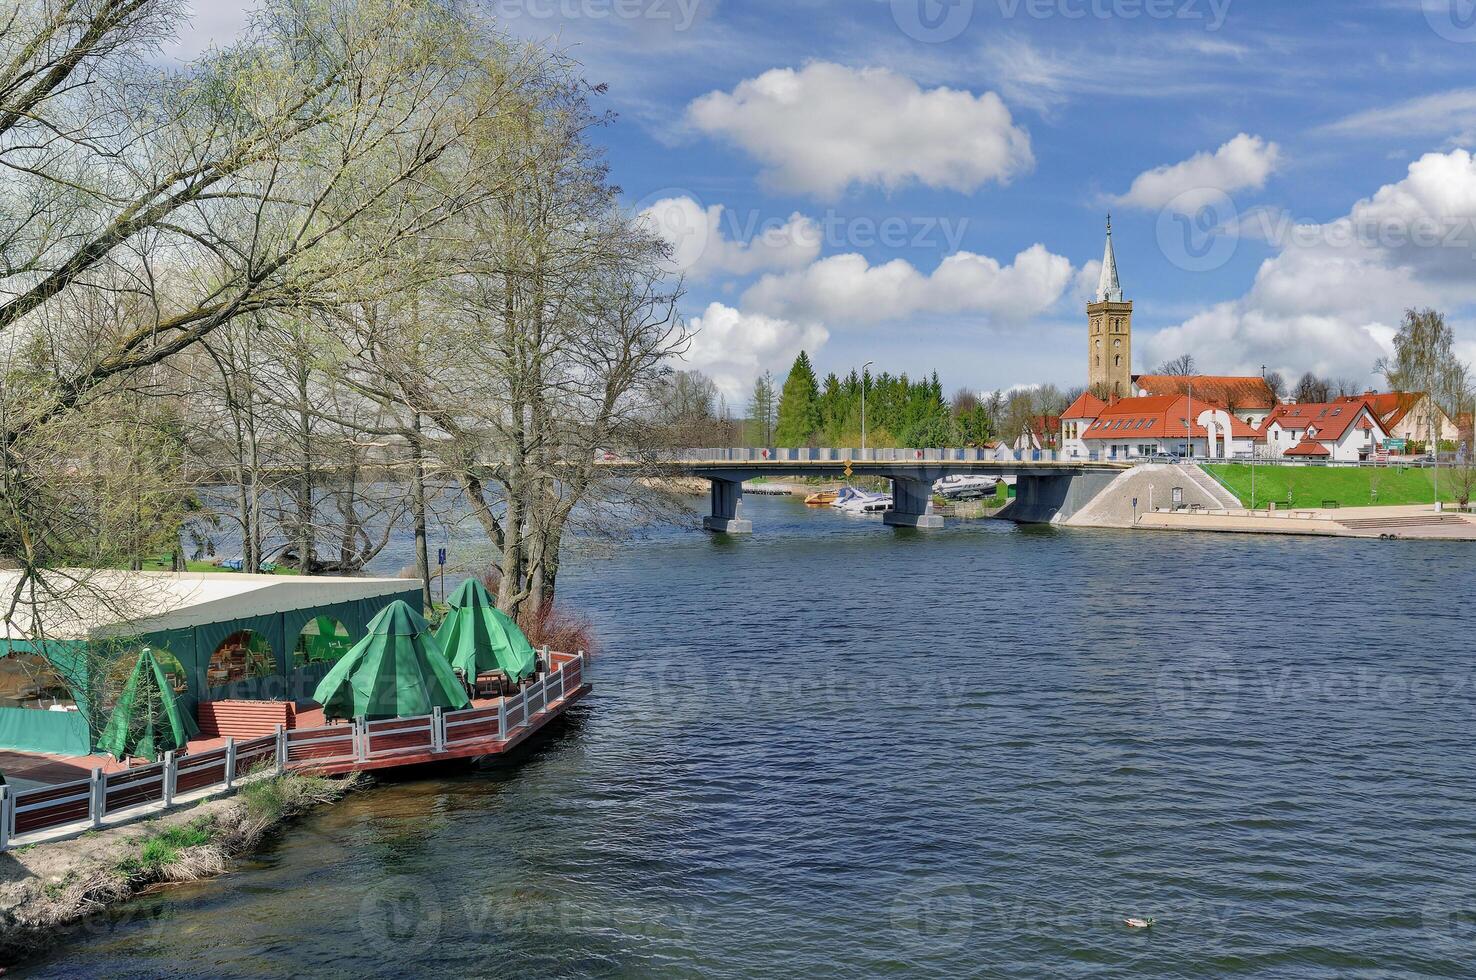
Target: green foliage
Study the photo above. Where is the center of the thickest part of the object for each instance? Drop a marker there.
(799, 405)
(158, 851)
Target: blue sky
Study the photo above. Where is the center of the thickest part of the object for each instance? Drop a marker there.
(923, 183)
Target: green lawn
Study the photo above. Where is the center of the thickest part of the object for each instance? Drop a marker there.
(1348, 485)
(160, 563)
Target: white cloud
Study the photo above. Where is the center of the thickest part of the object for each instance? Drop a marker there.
(847, 288)
(1244, 162)
(1332, 299)
(1451, 113)
(734, 347)
(701, 249)
(825, 127)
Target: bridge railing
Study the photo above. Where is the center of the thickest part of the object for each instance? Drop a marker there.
(779, 454)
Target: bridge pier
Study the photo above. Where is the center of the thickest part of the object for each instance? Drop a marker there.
(912, 504)
(727, 509)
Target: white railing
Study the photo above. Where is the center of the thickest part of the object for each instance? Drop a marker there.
(785, 455)
(86, 802)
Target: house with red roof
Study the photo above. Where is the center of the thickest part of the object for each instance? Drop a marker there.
(1248, 399)
(1343, 431)
(1044, 433)
(1406, 414)
(1074, 423)
(1157, 424)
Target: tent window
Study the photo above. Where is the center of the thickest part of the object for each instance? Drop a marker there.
(322, 639)
(28, 680)
(243, 655)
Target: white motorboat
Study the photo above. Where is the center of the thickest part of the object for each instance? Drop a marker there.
(964, 487)
(869, 503)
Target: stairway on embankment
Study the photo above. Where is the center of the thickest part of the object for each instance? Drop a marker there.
(1153, 485)
(1395, 523)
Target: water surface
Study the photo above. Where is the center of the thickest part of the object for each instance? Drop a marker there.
(838, 749)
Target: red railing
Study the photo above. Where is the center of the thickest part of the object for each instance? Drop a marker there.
(89, 800)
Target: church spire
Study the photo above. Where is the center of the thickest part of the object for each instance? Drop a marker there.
(1109, 289)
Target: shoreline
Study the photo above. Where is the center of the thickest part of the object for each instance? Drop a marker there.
(49, 889)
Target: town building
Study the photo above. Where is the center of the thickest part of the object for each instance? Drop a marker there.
(1044, 433)
(1405, 415)
(1074, 423)
(1164, 424)
(1249, 399)
(1344, 431)
(1109, 332)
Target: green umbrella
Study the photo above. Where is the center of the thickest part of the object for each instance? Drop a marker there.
(146, 721)
(478, 636)
(397, 671)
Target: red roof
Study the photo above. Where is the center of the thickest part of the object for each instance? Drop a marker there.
(1227, 391)
(1308, 447)
(1158, 417)
(1086, 406)
(1330, 419)
(1390, 406)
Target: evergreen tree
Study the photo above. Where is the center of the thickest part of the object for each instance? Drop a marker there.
(799, 405)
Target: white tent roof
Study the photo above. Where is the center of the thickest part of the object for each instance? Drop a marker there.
(72, 604)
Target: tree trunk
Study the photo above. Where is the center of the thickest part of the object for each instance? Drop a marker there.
(417, 504)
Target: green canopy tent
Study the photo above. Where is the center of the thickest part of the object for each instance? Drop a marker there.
(479, 637)
(146, 721)
(396, 671)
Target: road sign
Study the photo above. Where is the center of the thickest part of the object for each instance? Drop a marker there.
(440, 556)
(848, 469)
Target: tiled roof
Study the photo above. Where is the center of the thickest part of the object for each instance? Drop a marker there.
(1157, 417)
(1308, 447)
(1241, 393)
(1390, 406)
(1086, 406)
(1331, 419)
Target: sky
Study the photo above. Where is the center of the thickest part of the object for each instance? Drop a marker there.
(924, 183)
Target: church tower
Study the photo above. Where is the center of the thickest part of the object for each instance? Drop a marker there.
(1110, 333)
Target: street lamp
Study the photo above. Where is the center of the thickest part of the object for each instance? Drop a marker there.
(863, 407)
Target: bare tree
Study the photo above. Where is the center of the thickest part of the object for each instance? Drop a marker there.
(1183, 365)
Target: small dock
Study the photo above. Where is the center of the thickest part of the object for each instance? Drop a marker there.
(39, 808)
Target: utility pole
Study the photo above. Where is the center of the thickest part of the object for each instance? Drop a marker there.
(864, 368)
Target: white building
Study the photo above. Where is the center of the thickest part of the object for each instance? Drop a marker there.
(1342, 431)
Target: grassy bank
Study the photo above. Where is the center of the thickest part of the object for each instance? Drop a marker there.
(1348, 486)
(47, 888)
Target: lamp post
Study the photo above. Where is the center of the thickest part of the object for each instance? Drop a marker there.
(1189, 426)
(863, 407)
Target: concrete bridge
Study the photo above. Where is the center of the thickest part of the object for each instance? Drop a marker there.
(1046, 487)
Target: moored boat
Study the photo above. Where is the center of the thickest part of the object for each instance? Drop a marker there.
(821, 498)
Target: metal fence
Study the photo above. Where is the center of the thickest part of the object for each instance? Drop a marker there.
(85, 802)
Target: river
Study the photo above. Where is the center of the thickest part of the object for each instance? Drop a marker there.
(837, 749)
